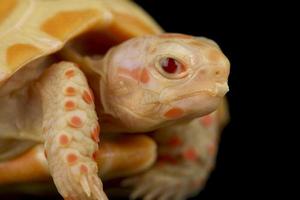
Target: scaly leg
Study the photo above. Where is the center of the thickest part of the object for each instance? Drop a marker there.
(186, 157)
(71, 132)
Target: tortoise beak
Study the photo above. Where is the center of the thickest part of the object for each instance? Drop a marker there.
(222, 89)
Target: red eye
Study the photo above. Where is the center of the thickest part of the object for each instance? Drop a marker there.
(171, 66)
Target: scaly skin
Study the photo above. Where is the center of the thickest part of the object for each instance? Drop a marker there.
(186, 156)
(71, 132)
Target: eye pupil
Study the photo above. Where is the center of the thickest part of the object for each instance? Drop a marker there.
(169, 65)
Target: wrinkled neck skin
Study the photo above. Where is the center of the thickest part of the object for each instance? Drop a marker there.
(136, 95)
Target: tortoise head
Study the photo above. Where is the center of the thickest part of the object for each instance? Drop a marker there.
(154, 81)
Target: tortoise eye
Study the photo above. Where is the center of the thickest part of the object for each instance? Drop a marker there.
(171, 65)
(171, 68)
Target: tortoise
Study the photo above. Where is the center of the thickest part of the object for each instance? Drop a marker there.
(69, 67)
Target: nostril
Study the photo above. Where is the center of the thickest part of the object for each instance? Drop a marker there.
(218, 73)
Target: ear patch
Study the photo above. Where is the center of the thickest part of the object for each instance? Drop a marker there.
(138, 74)
(145, 76)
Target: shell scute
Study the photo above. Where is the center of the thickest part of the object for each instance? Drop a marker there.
(17, 53)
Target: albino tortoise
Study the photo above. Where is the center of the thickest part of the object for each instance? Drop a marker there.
(54, 55)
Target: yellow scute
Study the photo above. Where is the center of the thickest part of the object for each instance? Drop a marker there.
(18, 54)
(6, 8)
(65, 23)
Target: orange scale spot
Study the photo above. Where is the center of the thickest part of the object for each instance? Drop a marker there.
(84, 169)
(70, 73)
(95, 133)
(87, 97)
(70, 91)
(70, 105)
(174, 113)
(75, 122)
(190, 154)
(63, 139)
(145, 76)
(72, 158)
(175, 141)
(206, 121)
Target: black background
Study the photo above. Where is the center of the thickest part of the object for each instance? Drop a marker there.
(249, 33)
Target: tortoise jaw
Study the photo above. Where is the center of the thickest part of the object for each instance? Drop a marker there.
(219, 90)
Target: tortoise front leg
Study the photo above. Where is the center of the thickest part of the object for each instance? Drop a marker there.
(186, 156)
(71, 131)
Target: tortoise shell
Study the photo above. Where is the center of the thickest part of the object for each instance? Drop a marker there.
(30, 29)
